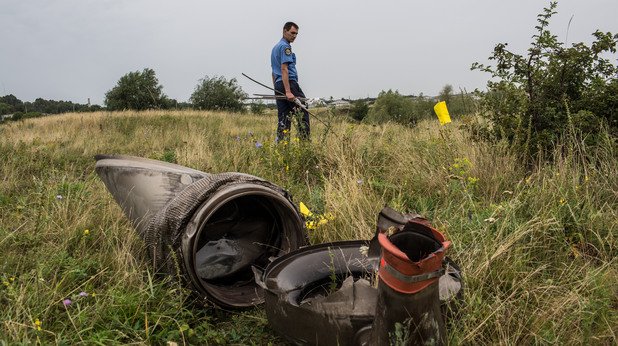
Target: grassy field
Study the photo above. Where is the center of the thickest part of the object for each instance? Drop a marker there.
(538, 248)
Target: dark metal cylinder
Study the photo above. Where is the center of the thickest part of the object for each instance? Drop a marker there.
(408, 319)
(408, 305)
(209, 230)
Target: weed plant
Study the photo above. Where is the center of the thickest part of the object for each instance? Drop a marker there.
(537, 247)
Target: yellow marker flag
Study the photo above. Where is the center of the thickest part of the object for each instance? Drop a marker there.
(442, 113)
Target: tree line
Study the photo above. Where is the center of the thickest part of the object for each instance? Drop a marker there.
(10, 104)
(138, 90)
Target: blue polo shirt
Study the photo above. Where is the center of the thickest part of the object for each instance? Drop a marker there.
(282, 54)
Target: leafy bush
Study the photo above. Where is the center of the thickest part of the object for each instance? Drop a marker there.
(458, 104)
(392, 106)
(17, 116)
(217, 93)
(5, 108)
(27, 115)
(359, 110)
(12, 101)
(138, 91)
(258, 108)
(533, 98)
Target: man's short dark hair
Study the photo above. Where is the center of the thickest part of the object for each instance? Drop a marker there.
(289, 26)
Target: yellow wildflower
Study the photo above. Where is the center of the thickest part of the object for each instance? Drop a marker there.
(314, 221)
(562, 201)
(472, 180)
(86, 232)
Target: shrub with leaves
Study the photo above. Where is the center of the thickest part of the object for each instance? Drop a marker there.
(258, 108)
(359, 110)
(218, 93)
(533, 97)
(392, 106)
(137, 90)
(459, 104)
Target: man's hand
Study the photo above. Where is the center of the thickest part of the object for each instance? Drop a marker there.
(286, 82)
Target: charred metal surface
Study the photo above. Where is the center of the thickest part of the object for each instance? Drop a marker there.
(326, 295)
(418, 315)
(321, 294)
(213, 228)
(408, 291)
(142, 186)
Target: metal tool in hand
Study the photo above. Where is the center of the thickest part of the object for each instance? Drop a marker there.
(296, 100)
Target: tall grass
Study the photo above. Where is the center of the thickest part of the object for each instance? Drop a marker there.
(537, 248)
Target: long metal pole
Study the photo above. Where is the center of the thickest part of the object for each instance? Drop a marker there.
(264, 85)
(296, 100)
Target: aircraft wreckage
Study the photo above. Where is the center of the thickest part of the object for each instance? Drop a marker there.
(239, 241)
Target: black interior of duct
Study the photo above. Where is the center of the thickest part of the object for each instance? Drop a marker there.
(243, 232)
(416, 241)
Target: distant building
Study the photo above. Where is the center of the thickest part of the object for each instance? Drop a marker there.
(316, 102)
(6, 116)
(340, 103)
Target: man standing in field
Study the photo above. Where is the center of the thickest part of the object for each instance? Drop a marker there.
(285, 79)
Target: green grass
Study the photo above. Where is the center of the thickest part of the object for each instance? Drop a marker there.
(538, 248)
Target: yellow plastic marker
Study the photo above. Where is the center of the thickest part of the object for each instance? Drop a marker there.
(442, 113)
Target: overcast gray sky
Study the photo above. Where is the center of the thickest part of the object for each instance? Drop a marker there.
(78, 49)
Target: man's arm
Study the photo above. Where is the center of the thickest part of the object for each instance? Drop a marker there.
(286, 82)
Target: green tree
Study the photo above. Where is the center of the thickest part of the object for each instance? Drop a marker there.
(218, 93)
(458, 104)
(534, 97)
(15, 103)
(5, 108)
(446, 93)
(137, 90)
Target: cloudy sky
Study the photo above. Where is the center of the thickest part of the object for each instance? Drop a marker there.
(78, 49)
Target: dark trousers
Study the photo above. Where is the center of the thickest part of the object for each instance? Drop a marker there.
(288, 110)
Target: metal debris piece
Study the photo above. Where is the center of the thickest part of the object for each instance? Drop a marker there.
(209, 228)
(325, 294)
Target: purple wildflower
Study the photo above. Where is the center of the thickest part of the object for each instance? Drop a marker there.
(67, 302)
(59, 197)
(83, 294)
(258, 144)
